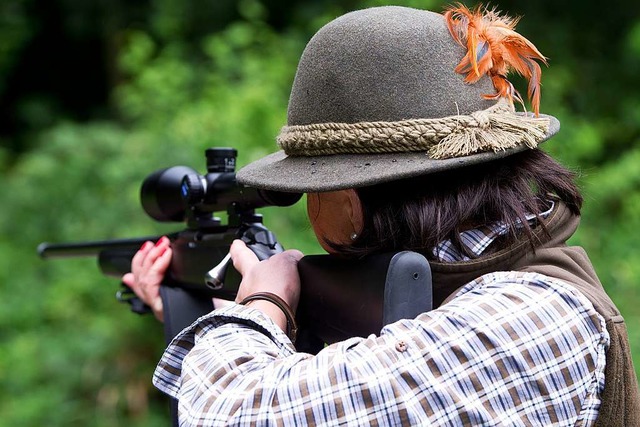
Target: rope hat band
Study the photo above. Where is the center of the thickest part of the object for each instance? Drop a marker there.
(495, 129)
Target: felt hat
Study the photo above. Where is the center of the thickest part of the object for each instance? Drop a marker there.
(380, 95)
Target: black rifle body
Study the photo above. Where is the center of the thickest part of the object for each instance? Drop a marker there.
(339, 298)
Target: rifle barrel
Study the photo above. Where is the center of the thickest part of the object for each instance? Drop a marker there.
(93, 248)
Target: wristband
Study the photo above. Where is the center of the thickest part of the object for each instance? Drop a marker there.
(292, 327)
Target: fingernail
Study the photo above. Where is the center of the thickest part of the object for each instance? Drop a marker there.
(160, 241)
(145, 245)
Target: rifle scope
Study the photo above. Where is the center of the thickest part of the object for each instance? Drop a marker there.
(178, 192)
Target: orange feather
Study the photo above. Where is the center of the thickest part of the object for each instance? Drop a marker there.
(494, 48)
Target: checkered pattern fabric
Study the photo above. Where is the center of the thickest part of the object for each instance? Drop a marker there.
(517, 349)
(477, 240)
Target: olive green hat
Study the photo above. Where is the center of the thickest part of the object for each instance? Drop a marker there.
(377, 97)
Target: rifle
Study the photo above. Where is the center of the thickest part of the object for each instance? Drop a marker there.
(339, 298)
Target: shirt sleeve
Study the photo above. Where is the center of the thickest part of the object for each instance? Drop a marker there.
(510, 349)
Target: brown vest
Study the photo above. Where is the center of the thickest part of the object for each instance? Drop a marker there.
(621, 398)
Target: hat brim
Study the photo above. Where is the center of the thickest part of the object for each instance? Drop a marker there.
(302, 174)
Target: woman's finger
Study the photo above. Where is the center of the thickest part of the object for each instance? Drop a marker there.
(154, 252)
(243, 258)
(138, 259)
(294, 254)
(129, 279)
(162, 262)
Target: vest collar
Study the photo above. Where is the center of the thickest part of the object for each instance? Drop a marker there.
(448, 277)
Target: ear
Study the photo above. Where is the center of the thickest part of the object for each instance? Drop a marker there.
(354, 207)
(335, 216)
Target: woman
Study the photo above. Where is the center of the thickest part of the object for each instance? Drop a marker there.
(402, 131)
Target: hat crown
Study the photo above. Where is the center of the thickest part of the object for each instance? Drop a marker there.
(383, 64)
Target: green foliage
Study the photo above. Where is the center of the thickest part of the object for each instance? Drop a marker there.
(72, 355)
(67, 346)
(15, 30)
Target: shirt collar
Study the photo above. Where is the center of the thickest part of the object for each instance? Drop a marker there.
(477, 240)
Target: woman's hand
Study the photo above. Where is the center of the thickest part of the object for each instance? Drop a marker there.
(148, 267)
(278, 275)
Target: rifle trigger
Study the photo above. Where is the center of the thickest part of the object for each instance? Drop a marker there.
(126, 295)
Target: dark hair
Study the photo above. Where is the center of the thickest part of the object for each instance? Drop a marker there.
(418, 213)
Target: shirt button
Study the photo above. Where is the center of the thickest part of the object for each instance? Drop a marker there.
(401, 346)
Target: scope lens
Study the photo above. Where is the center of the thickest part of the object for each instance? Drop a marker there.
(161, 194)
(193, 189)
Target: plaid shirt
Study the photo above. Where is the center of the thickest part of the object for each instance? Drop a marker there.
(477, 240)
(510, 349)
